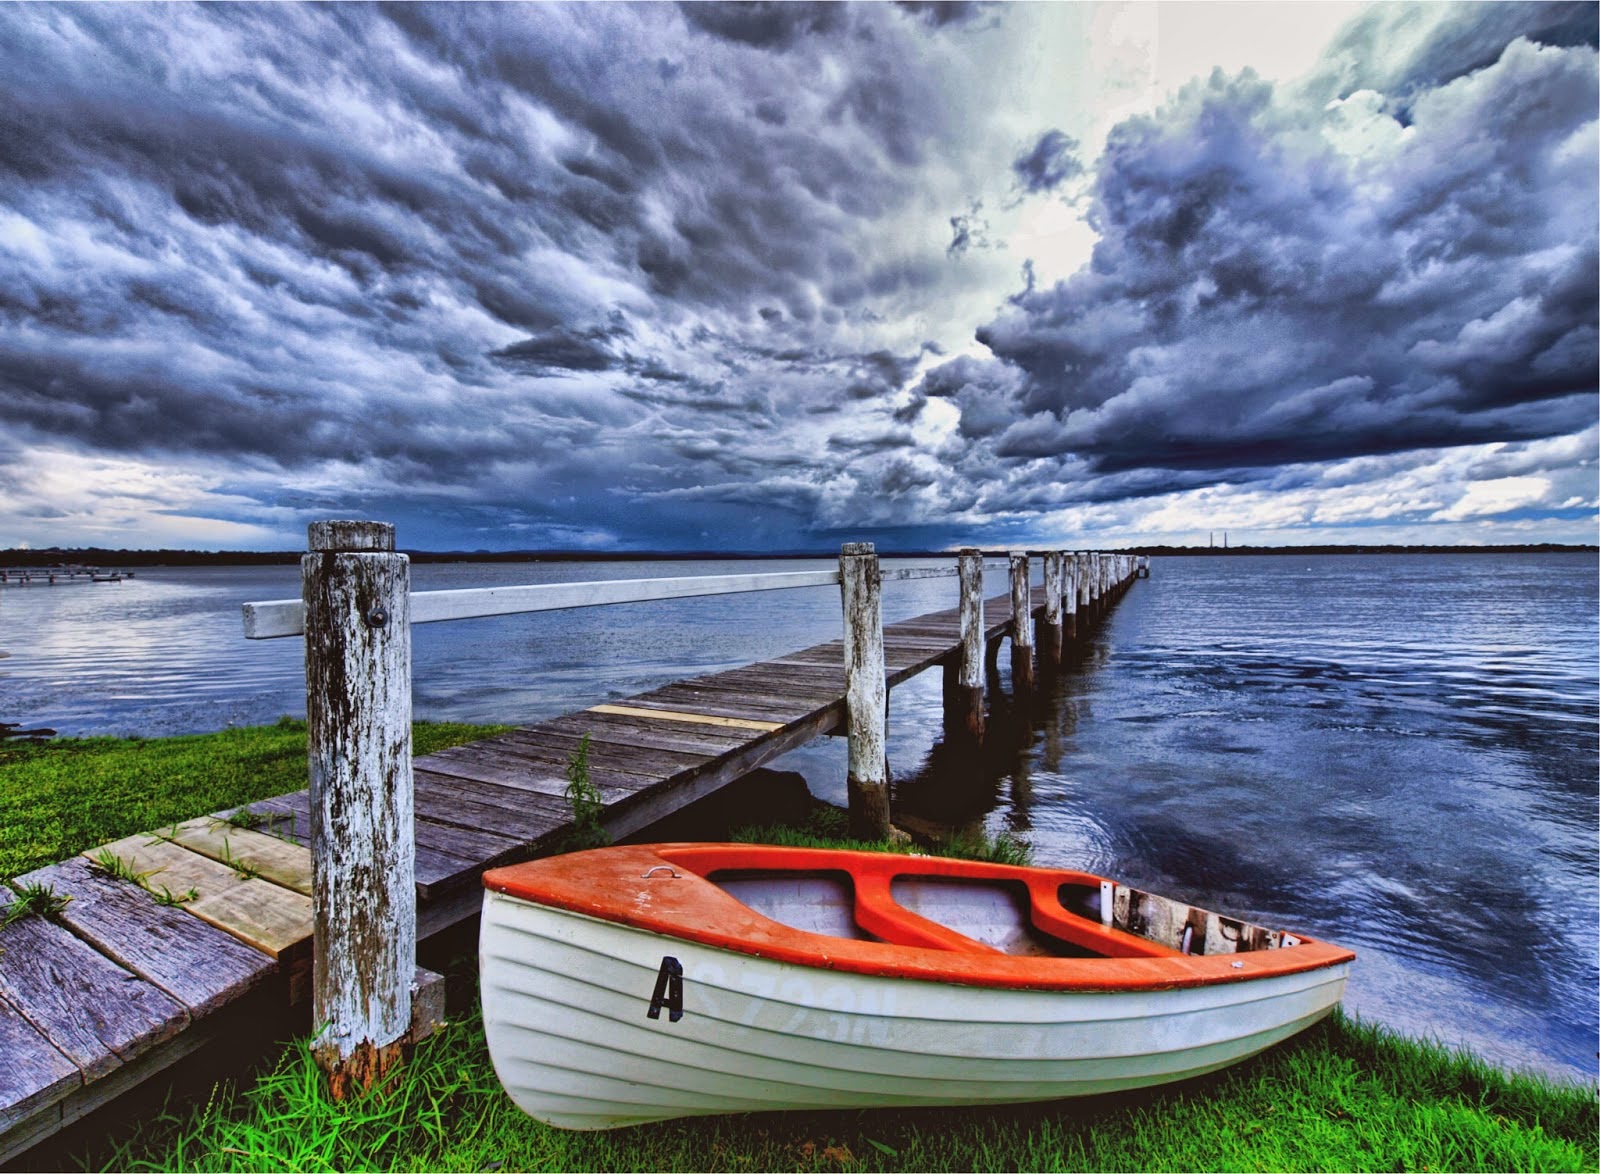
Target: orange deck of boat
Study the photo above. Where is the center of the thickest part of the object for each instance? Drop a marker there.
(663, 889)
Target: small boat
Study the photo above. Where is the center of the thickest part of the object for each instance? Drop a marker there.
(639, 983)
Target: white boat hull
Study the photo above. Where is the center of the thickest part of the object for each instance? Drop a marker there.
(565, 997)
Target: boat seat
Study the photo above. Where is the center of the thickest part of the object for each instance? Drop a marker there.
(881, 915)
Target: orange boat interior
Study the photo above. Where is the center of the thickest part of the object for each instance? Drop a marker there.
(912, 916)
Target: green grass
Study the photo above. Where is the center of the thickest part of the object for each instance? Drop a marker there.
(1343, 1096)
(60, 797)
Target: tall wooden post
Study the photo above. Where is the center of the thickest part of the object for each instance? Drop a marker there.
(866, 691)
(1050, 634)
(1096, 594)
(1069, 597)
(1021, 624)
(356, 591)
(965, 699)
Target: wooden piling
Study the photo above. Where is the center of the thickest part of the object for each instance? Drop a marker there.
(1021, 624)
(964, 700)
(1050, 631)
(356, 592)
(1069, 597)
(866, 691)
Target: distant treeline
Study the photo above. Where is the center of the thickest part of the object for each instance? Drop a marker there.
(1511, 548)
(99, 557)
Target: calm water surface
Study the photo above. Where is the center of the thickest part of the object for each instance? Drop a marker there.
(1398, 753)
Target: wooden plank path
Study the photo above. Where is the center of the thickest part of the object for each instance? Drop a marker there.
(131, 975)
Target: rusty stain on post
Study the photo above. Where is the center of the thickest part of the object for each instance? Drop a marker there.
(358, 717)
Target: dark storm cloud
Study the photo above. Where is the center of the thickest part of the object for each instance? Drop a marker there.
(436, 242)
(561, 349)
(1049, 163)
(1260, 296)
(944, 12)
(764, 23)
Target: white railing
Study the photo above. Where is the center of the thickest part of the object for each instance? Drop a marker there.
(287, 617)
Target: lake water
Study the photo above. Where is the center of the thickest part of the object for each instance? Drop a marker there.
(1398, 753)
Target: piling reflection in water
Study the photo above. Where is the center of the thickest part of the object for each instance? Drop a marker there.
(1411, 773)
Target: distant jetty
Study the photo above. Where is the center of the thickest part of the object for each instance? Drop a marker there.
(59, 574)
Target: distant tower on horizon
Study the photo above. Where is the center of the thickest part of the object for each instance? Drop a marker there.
(1224, 540)
(1212, 541)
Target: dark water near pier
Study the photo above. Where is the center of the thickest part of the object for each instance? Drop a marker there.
(1398, 753)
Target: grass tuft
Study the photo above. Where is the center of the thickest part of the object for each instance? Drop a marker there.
(113, 865)
(165, 896)
(34, 901)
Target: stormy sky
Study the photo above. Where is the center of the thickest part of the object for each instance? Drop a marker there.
(775, 276)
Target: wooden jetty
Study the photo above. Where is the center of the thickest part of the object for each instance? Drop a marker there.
(192, 933)
(58, 576)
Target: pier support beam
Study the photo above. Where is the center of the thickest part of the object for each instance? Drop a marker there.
(1021, 625)
(1069, 598)
(1050, 630)
(866, 691)
(964, 694)
(356, 591)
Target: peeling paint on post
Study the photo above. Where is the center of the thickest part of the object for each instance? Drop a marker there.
(363, 856)
(866, 691)
(965, 710)
(1021, 624)
(1050, 635)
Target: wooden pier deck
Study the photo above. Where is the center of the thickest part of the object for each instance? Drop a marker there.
(127, 978)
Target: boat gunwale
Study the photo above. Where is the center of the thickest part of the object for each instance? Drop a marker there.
(630, 885)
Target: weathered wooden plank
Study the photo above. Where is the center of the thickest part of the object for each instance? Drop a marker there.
(256, 1019)
(550, 756)
(279, 861)
(686, 698)
(628, 731)
(448, 855)
(197, 964)
(31, 1130)
(96, 1013)
(35, 1073)
(775, 687)
(621, 758)
(791, 699)
(820, 654)
(641, 707)
(640, 810)
(538, 773)
(502, 811)
(824, 675)
(269, 917)
(285, 816)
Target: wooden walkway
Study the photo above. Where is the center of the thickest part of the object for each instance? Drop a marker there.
(128, 978)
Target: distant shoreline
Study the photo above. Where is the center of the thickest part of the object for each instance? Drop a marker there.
(95, 556)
